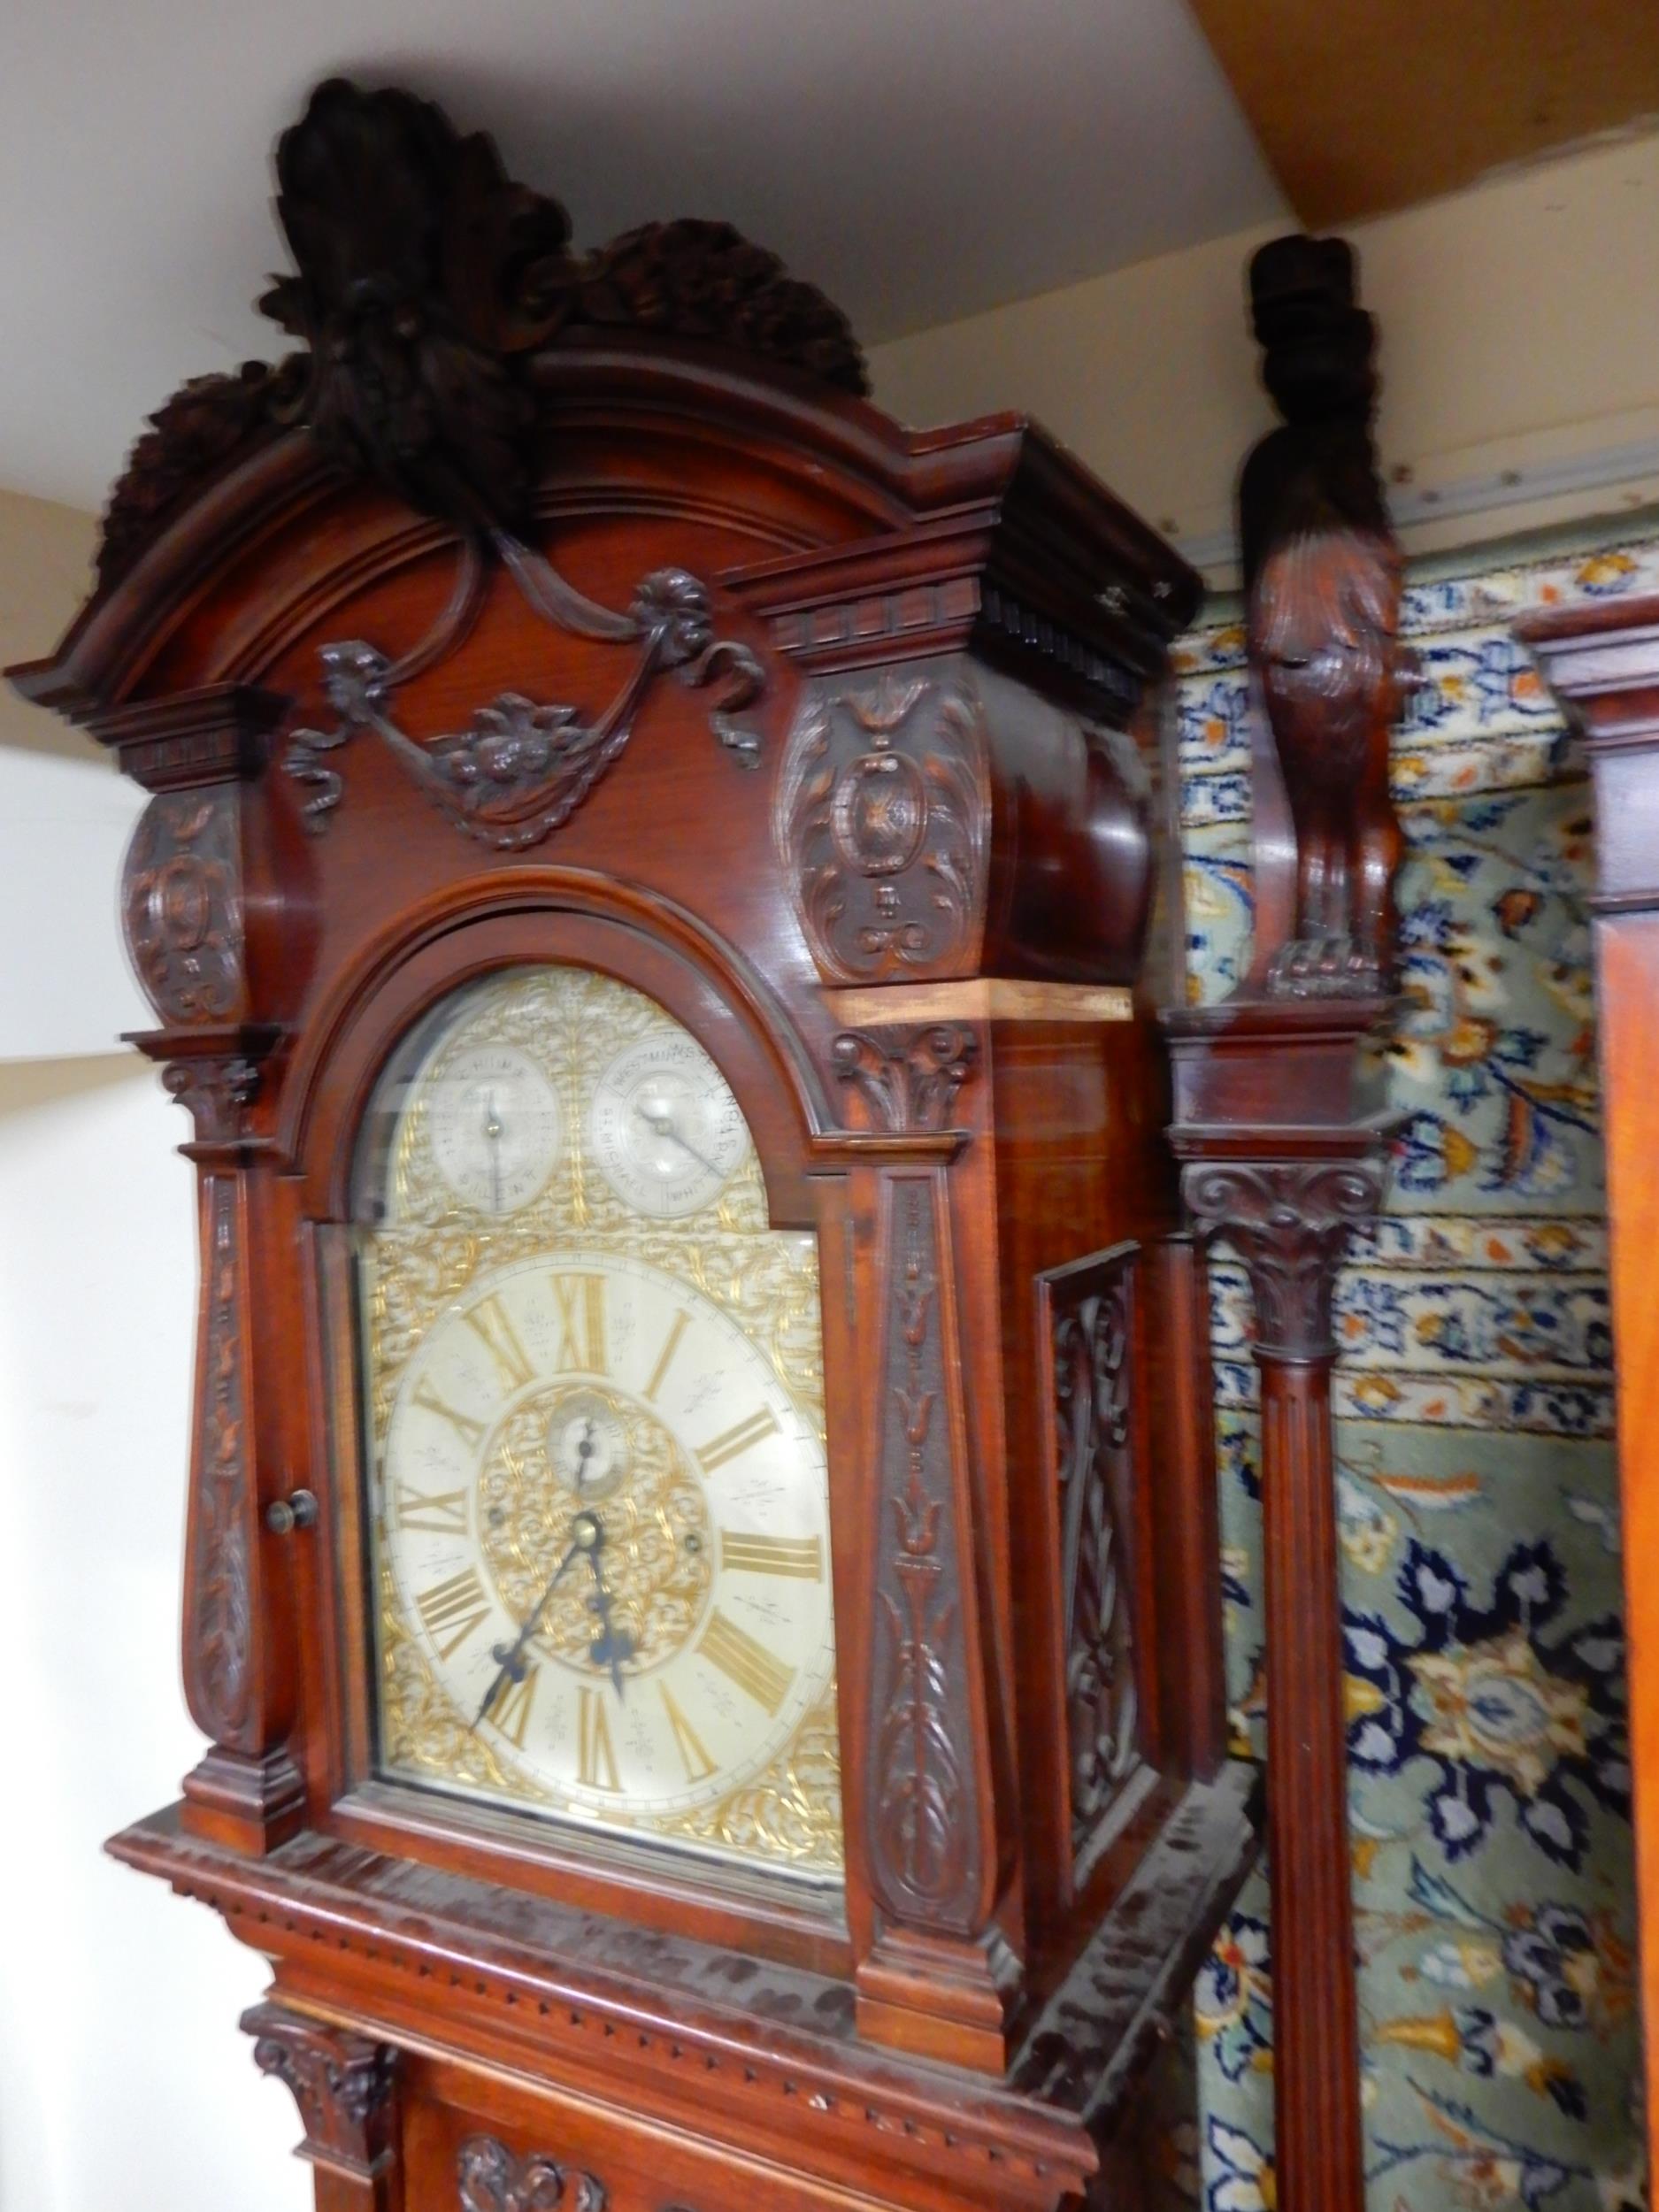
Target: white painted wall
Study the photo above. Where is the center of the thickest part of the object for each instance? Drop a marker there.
(1520, 333)
(123, 2081)
(1518, 328)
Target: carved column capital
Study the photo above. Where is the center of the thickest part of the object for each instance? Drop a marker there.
(344, 2085)
(213, 1090)
(1289, 1221)
(908, 1076)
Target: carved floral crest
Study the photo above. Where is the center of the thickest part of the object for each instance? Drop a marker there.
(425, 279)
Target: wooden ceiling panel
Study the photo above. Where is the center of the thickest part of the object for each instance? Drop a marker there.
(1364, 105)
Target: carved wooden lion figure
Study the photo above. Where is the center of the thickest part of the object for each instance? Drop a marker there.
(1322, 581)
(1324, 627)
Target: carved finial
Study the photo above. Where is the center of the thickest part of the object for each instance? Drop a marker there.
(1318, 470)
(422, 275)
(424, 278)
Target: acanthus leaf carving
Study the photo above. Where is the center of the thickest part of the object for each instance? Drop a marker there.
(425, 280)
(491, 2179)
(182, 906)
(219, 1627)
(883, 823)
(1290, 1222)
(344, 2085)
(215, 1090)
(926, 1846)
(908, 1077)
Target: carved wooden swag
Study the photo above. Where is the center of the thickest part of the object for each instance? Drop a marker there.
(425, 281)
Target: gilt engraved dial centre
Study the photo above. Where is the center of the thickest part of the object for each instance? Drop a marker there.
(599, 1499)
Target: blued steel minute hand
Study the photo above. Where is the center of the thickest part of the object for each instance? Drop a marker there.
(586, 1535)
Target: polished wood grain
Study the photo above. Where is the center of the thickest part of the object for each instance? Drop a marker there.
(1282, 1122)
(1362, 110)
(1603, 661)
(312, 646)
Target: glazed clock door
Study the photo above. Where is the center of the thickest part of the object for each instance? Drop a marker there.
(596, 1501)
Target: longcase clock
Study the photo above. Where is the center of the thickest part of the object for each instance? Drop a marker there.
(700, 1576)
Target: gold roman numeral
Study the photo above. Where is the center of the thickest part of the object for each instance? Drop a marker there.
(681, 1322)
(435, 1512)
(489, 1320)
(802, 1555)
(458, 1604)
(512, 1707)
(596, 1755)
(470, 1431)
(743, 1436)
(742, 1660)
(580, 1300)
(698, 1764)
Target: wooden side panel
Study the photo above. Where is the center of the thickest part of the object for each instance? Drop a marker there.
(1628, 978)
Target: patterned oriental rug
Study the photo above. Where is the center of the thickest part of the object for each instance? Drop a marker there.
(1490, 1788)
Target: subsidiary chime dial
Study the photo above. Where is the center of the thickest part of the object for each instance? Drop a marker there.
(666, 1131)
(495, 1127)
(599, 1500)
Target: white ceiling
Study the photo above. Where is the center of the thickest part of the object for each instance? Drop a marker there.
(918, 158)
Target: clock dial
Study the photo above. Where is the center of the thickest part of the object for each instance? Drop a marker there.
(608, 1531)
(664, 1127)
(496, 1126)
(598, 1500)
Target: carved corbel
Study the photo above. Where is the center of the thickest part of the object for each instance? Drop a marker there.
(183, 912)
(346, 2088)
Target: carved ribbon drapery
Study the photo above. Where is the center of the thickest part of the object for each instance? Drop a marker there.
(521, 769)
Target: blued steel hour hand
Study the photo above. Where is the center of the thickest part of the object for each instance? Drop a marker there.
(588, 1533)
(613, 1645)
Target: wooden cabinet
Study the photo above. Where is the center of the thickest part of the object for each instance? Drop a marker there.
(556, 679)
(1603, 661)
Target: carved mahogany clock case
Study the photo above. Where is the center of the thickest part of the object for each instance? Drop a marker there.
(700, 1571)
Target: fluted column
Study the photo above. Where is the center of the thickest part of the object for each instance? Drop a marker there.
(1289, 1221)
